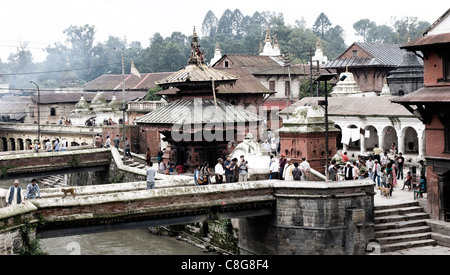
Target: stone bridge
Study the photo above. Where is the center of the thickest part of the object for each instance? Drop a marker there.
(26, 163)
(275, 217)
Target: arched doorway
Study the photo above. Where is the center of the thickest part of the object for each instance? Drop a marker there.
(390, 137)
(355, 138)
(371, 137)
(4, 144)
(410, 140)
(339, 144)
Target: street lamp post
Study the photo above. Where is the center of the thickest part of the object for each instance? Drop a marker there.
(324, 103)
(39, 112)
(124, 106)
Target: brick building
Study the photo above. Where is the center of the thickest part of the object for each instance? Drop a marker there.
(431, 104)
(370, 63)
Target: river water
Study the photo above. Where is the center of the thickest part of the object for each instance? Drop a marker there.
(128, 242)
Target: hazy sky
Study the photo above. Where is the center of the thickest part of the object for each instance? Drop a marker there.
(41, 23)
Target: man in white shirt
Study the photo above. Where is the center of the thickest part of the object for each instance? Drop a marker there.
(151, 173)
(384, 159)
(274, 167)
(305, 168)
(15, 195)
(218, 169)
(48, 146)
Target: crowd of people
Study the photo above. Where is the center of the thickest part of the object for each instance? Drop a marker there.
(56, 146)
(384, 170)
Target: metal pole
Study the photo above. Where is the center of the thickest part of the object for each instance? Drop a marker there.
(124, 106)
(39, 112)
(326, 129)
(310, 72)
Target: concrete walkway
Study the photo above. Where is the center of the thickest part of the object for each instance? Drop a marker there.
(401, 196)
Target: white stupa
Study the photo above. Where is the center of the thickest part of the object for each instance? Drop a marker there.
(270, 47)
(319, 55)
(217, 55)
(347, 87)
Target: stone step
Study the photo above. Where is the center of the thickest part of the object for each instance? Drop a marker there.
(400, 205)
(404, 238)
(408, 244)
(398, 211)
(400, 224)
(398, 218)
(402, 231)
(134, 164)
(141, 166)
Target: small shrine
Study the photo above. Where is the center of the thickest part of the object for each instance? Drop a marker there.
(346, 87)
(304, 136)
(407, 77)
(319, 56)
(270, 47)
(217, 54)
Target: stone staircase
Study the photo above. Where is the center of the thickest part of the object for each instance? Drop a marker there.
(53, 181)
(402, 226)
(136, 164)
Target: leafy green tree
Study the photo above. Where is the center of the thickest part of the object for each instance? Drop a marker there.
(363, 27)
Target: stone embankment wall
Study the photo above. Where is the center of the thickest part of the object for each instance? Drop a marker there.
(12, 219)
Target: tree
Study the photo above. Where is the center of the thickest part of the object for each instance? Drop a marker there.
(225, 23)
(20, 62)
(322, 25)
(380, 34)
(362, 27)
(210, 24)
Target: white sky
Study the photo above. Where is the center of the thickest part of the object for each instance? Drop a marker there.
(41, 23)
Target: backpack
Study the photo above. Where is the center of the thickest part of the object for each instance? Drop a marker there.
(202, 177)
(297, 173)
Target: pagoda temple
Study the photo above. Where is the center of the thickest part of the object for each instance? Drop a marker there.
(198, 126)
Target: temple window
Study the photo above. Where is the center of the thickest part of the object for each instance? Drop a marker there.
(52, 112)
(446, 61)
(355, 53)
(272, 85)
(447, 133)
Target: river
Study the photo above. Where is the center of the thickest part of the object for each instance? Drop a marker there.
(128, 242)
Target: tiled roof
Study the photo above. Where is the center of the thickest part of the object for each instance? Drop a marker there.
(15, 110)
(53, 98)
(381, 55)
(356, 106)
(426, 95)
(132, 82)
(262, 65)
(246, 84)
(198, 111)
(196, 74)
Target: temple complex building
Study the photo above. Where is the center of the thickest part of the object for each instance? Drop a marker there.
(367, 121)
(198, 124)
(431, 104)
(370, 63)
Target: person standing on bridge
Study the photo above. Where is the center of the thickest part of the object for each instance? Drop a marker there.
(127, 148)
(117, 142)
(151, 173)
(243, 169)
(33, 190)
(63, 145)
(15, 195)
(218, 169)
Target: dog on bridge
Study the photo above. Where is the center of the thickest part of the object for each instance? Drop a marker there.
(71, 191)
